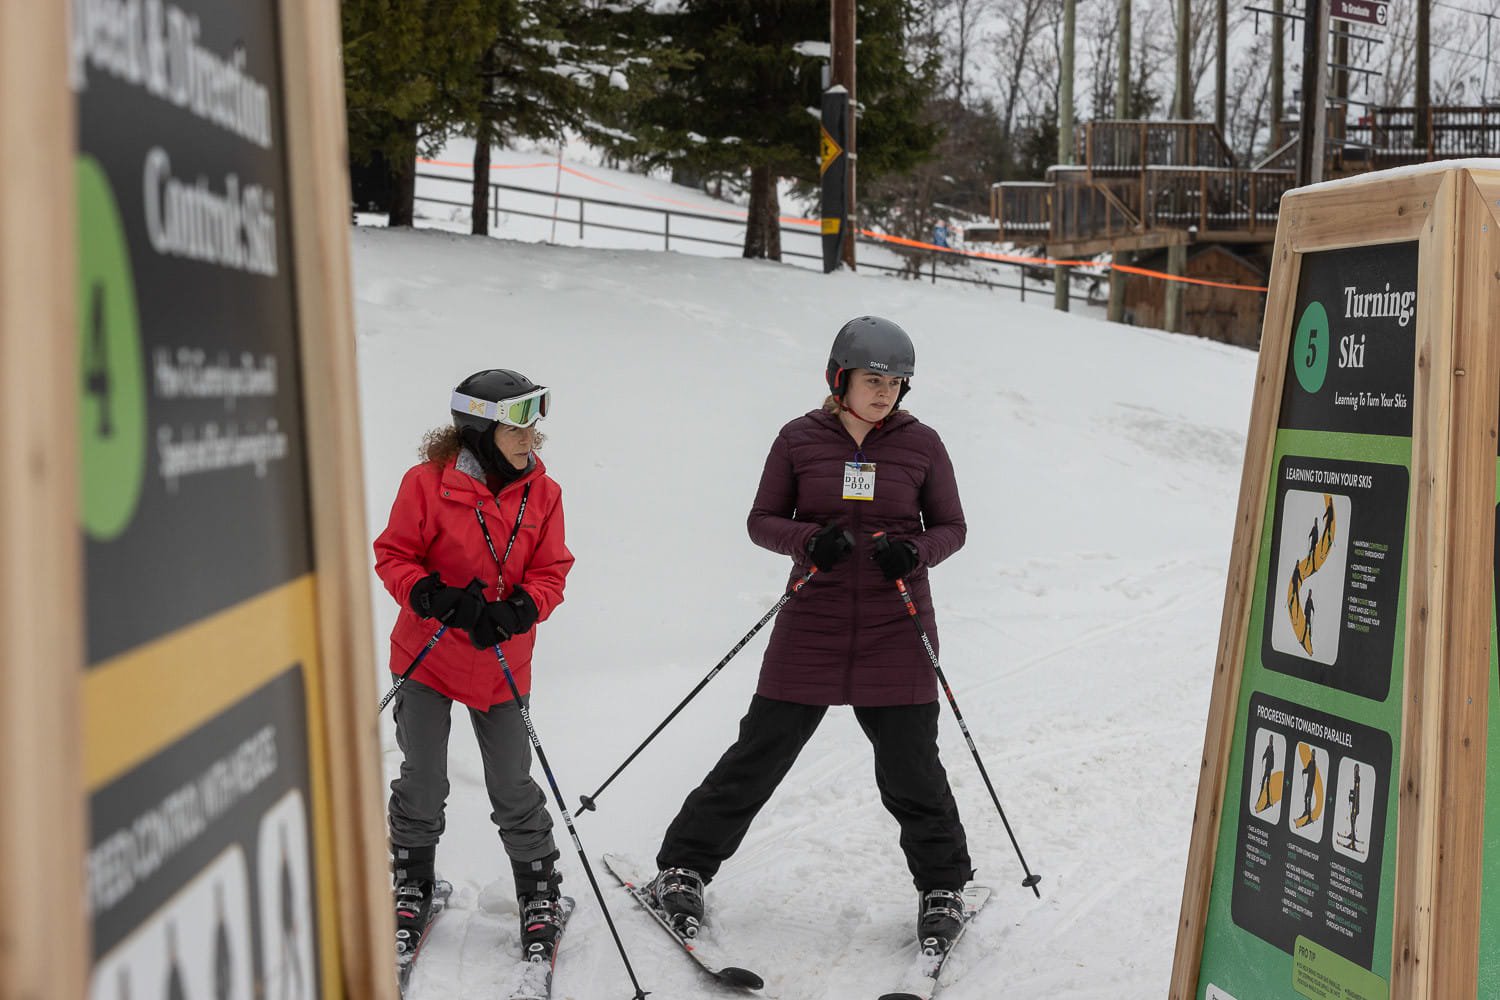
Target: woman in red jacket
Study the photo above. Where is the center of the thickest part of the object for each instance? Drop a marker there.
(475, 543)
(834, 480)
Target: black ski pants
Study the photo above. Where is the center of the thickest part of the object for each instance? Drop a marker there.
(913, 788)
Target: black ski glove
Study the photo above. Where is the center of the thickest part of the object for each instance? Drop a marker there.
(503, 619)
(896, 558)
(455, 607)
(829, 547)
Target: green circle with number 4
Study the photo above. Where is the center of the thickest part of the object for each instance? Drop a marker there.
(111, 375)
(1310, 349)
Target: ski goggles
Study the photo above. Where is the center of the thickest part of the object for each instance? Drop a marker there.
(518, 411)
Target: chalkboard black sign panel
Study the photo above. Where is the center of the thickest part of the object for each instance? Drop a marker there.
(1338, 539)
(193, 467)
(1353, 341)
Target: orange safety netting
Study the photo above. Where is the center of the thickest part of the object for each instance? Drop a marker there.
(1004, 258)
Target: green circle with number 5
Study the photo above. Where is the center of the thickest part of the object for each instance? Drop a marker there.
(1310, 349)
(111, 375)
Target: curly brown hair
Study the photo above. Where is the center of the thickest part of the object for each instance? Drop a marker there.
(442, 444)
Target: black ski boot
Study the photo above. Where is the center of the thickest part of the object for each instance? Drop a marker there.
(541, 906)
(940, 916)
(678, 892)
(412, 868)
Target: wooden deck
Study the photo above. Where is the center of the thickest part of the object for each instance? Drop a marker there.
(1142, 185)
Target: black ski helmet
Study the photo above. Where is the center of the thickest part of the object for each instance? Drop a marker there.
(491, 385)
(874, 343)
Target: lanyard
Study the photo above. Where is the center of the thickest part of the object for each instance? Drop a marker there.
(499, 559)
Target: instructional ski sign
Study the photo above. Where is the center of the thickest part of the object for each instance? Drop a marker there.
(1342, 825)
(1307, 819)
(207, 754)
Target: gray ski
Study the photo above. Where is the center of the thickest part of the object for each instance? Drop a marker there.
(700, 950)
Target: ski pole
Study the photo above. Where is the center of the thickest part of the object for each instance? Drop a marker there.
(586, 802)
(409, 670)
(1030, 881)
(541, 756)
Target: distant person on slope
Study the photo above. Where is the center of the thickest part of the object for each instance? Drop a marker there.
(846, 638)
(475, 543)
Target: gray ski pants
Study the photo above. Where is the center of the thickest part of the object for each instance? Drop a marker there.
(418, 796)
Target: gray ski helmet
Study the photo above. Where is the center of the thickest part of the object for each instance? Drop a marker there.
(493, 384)
(874, 343)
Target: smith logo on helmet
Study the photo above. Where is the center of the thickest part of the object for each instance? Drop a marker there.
(878, 364)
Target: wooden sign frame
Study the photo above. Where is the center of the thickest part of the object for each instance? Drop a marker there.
(317, 168)
(44, 828)
(43, 952)
(1453, 212)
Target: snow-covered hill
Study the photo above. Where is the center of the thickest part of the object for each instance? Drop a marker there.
(1098, 466)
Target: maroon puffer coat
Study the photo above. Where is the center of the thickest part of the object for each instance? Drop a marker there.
(846, 638)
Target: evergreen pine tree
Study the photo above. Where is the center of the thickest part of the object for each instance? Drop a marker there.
(748, 101)
(410, 81)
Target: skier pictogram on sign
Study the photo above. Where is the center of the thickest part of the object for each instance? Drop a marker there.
(830, 151)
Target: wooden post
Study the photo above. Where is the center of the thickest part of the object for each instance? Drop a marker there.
(1117, 279)
(1062, 276)
(1313, 122)
(1423, 134)
(44, 948)
(843, 73)
(1221, 63)
(1278, 74)
(1182, 103)
(1176, 265)
(1376, 408)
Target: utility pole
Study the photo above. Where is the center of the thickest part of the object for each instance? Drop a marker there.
(1116, 312)
(1182, 110)
(1221, 65)
(1424, 75)
(1278, 74)
(1314, 116)
(842, 71)
(1339, 78)
(1182, 105)
(1061, 276)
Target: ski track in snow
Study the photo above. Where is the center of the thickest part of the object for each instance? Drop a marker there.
(1098, 466)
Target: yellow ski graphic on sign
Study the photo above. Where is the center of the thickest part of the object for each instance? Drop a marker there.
(1300, 613)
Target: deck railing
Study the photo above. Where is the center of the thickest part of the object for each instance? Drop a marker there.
(1115, 147)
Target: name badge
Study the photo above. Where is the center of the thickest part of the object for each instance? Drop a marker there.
(859, 480)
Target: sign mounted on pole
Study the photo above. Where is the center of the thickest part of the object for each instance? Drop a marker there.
(833, 168)
(1374, 12)
(219, 641)
(1341, 757)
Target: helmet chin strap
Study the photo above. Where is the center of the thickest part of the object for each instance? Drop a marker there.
(843, 406)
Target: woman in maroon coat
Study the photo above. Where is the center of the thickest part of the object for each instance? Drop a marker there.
(834, 480)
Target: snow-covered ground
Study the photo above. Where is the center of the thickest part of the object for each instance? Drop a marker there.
(1098, 466)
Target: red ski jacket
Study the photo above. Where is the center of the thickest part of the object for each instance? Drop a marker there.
(845, 638)
(434, 529)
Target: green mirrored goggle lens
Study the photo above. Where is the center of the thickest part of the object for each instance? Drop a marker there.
(526, 411)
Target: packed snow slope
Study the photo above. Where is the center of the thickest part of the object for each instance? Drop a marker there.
(1098, 466)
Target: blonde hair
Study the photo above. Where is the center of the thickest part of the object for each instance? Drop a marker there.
(442, 444)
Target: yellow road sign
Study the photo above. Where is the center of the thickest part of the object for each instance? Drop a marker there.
(830, 151)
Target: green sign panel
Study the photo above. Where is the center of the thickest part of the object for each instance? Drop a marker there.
(1301, 899)
(1489, 915)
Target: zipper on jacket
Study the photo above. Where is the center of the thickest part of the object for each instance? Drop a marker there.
(853, 610)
